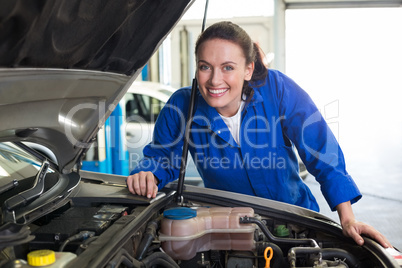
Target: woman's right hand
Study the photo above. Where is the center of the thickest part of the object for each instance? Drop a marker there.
(143, 183)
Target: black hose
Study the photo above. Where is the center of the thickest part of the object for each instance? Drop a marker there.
(149, 236)
(159, 258)
(327, 254)
(155, 259)
(335, 253)
(81, 235)
(123, 257)
(272, 238)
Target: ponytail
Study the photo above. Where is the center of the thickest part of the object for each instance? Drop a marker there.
(259, 74)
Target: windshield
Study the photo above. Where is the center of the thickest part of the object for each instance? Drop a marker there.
(18, 170)
(16, 163)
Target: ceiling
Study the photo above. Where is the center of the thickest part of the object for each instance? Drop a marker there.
(291, 4)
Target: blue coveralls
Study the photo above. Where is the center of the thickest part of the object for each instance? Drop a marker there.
(279, 117)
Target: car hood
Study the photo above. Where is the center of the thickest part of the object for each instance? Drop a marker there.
(64, 66)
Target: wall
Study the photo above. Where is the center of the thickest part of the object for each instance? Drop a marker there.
(259, 28)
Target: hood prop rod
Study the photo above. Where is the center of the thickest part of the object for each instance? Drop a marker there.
(190, 117)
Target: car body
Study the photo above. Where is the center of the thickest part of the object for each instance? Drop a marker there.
(57, 88)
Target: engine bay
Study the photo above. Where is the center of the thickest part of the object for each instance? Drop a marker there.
(194, 234)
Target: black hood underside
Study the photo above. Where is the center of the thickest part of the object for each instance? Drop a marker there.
(114, 36)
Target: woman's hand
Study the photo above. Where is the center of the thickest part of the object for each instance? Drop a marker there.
(143, 183)
(354, 229)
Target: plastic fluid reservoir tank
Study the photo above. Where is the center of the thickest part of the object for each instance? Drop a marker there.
(186, 231)
(43, 258)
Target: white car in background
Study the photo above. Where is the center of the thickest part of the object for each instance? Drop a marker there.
(142, 105)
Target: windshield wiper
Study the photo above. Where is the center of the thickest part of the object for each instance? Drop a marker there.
(22, 199)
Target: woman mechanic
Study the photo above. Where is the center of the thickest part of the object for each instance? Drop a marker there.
(247, 119)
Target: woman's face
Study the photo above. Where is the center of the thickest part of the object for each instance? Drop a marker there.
(221, 71)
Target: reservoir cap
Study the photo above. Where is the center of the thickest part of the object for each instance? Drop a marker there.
(41, 257)
(180, 213)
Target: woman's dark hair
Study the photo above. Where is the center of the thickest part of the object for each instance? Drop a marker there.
(229, 31)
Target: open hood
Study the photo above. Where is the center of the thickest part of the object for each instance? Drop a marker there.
(64, 65)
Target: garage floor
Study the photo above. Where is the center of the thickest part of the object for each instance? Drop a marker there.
(381, 205)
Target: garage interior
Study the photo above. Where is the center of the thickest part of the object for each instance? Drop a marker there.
(352, 71)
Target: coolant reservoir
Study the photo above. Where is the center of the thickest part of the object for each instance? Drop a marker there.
(186, 231)
(49, 258)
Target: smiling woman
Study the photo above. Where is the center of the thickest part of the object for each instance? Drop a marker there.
(221, 73)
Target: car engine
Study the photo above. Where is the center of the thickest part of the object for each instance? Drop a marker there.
(201, 232)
